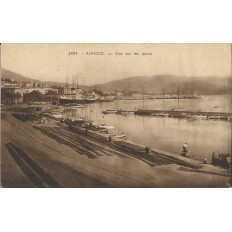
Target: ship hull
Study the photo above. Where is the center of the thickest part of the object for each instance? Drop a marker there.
(106, 100)
(77, 101)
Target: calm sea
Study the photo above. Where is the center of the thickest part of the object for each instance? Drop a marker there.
(168, 134)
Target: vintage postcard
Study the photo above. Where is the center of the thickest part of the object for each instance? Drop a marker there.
(116, 115)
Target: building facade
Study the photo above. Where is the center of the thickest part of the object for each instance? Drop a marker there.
(11, 95)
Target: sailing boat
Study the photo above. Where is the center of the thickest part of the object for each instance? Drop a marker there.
(178, 108)
(115, 110)
(164, 114)
(161, 114)
(124, 112)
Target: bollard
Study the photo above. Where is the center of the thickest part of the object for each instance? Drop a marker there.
(147, 150)
(205, 161)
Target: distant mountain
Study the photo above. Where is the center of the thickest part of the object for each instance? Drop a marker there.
(6, 74)
(169, 84)
(159, 84)
(17, 77)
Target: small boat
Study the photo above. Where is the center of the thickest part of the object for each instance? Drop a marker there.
(111, 131)
(178, 109)
(79, 120)
(110, 127)
(164, 114)
(103, 126)
(74, 105)
(57, 116)
(121, 136)
(202, 116)
(110, 111)
(160, 114)
(214, 117)
(106, 99)
(123, 112)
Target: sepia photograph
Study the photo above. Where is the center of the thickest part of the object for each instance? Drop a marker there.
(138, 115)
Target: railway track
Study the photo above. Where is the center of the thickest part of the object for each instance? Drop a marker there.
(78, 143)
(137, 151)
(94, 145)
(63, 139)
(35, 173)
(88, 143)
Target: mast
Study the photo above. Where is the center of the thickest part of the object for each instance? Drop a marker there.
(163, 101)
(147, 99)
(178, 97)
(72, 81)
(77, 83)
(143, 98)
(86, 113)
(66, 80)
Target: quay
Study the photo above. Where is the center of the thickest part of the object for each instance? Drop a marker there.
(174, 113)
(177, 112)
(51, 153)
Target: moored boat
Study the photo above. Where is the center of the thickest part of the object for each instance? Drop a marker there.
(121, 136)
(110, 111)
(74, 105)
(57, 116)
(106, 99)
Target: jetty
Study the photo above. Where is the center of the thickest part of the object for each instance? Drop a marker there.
(174, 113)
(177, 112)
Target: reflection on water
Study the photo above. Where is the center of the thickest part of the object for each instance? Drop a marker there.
(168, 134)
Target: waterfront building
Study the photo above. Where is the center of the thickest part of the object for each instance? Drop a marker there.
(11, 95)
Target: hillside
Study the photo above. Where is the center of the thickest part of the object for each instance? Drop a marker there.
(152, 84)
(169, 84)
(17, 77)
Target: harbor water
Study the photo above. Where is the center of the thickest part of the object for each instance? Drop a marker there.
(165, 133)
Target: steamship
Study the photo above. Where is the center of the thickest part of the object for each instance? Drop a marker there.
(76, 96)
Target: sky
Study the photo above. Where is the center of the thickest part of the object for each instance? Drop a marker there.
(53, 62)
